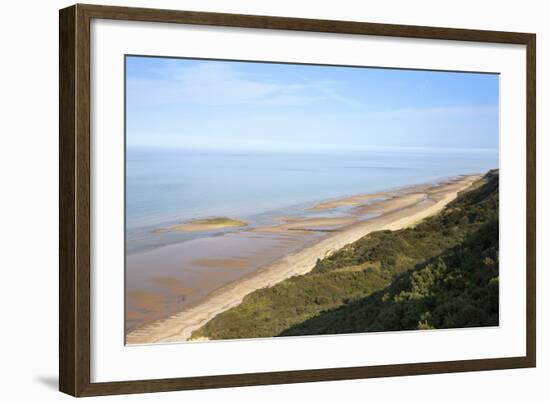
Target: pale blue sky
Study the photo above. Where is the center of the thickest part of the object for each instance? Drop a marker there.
(226, 105)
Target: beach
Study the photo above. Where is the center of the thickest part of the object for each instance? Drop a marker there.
(288, 246)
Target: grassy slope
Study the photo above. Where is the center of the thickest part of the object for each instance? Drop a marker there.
(441, 273)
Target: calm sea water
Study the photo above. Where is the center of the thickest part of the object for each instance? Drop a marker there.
(165, 187)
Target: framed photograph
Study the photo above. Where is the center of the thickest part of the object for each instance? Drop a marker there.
(250, 200)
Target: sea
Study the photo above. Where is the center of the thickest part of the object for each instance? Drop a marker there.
(166, 187)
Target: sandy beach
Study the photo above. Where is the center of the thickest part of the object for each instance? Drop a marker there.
(390, 210)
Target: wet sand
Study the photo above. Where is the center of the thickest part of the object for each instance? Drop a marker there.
(166, 280)
(263, 257)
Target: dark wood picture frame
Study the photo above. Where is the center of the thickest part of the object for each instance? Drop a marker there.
(74, 199)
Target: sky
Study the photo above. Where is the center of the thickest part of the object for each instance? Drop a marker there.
(246, 106)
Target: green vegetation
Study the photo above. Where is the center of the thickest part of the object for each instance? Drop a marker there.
(221, 221)
(442, 273)
(214, 223)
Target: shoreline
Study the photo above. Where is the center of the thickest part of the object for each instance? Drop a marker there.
(405, 208)
(348, 200)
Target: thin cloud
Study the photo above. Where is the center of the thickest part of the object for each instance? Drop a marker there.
(222, 85)
(223, 105)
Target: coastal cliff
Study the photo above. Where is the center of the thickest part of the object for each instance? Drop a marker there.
(441, 273)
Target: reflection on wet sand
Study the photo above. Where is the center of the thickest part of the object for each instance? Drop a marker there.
(164, 280)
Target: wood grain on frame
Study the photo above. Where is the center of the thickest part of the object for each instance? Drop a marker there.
(74, 199)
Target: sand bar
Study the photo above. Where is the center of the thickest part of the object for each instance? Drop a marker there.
(215, 223)
(404, 209)
(349, 201)
(308, 224)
